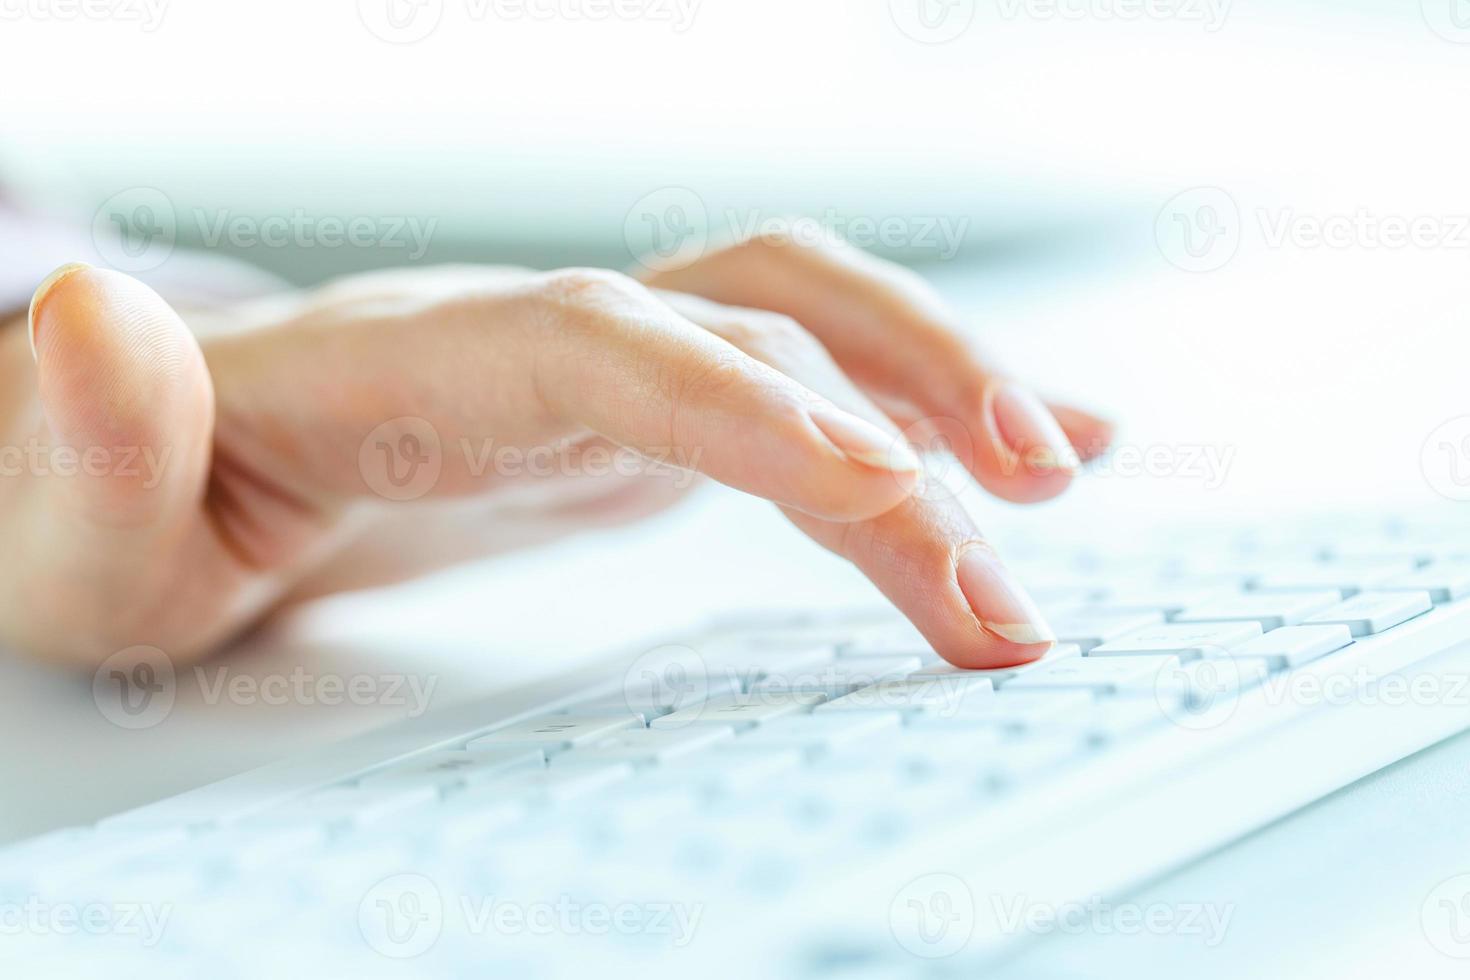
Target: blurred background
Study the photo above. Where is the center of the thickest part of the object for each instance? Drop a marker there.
(1181, 212)
(1239, 227)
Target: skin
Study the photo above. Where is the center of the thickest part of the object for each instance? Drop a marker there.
(800, 374)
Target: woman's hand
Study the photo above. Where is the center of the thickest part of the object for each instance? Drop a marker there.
(170, 492)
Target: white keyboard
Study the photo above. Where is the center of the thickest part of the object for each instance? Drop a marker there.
(808, 795)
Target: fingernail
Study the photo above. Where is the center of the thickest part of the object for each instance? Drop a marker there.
(1031, 430)
(864, 442)
(999, 602)
(46, 286)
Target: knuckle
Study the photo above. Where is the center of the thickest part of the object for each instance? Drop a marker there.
(600, 288)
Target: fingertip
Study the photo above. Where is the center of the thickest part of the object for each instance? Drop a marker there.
(996, 654)
(1023, 455)
(121, 382)
(1089, 433)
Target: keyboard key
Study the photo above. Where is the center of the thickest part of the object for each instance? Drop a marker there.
(467, 820)
(1202, 682)
(1348, 577)
(931, 694)
(645, 747)
(742, 710)
(452, 767)
(1373, 612)
(815, 734)
(1167, 600)
(1112, 674)
(1269, 609)
(993, 678)
(1444, 581)
(754, 654)
(898, 639)
(839, 678)
(1006, 710)
(253, 845)
(1187, 641)
(727, 773)
(557, 784)
(102, 852)
(1090, 628)
(1063, 597)
(647, 704)
(357, 805)
(1292, 646)
(1020, 759)
(552, 733)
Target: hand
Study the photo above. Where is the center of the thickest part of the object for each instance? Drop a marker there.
(173, 491)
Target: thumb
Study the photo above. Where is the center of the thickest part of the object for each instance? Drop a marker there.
(128, 403)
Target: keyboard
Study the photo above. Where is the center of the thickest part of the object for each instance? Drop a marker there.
(809, 793)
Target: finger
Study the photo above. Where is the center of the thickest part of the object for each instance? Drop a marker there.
(1089, 434)
(779, 341)
(122, 384)
(926, 555)
(559, 355)
(891, 332)
(120, 461)
(935, 566)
